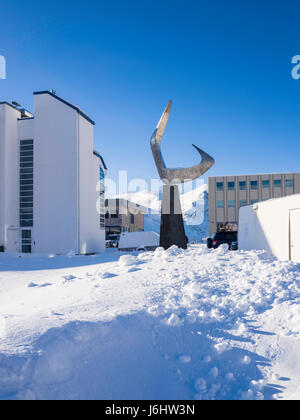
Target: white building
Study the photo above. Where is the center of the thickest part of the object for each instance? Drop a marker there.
(272, 225)
(49, 179)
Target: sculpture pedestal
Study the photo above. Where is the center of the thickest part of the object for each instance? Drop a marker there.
(172, 227)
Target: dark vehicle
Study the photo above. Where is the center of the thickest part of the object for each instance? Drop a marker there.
(112, 241)
(224, 237)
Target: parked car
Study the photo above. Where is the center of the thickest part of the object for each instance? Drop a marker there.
(233, 246)
(112, 240)
(224, 237)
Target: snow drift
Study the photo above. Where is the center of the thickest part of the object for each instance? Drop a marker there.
(195, 324)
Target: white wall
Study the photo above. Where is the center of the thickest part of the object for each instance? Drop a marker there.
(266, 226)
(92, 238)
(9, 175)
(55, 176)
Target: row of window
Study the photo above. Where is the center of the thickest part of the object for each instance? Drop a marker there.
(242, 185)
(26, 190)
(116, 215)
(232, 203)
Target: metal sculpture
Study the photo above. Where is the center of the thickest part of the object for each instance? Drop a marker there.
(172, 227)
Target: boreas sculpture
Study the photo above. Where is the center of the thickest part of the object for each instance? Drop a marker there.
(172, 230)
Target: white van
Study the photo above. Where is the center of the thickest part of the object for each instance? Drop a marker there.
(138, 241)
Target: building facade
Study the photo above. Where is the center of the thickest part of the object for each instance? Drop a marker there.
(228, 194)
(51, 179)
(123, 216)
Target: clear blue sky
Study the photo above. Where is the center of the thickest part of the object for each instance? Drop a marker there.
(226, 65)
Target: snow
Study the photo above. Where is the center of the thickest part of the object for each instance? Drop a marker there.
(195, 324)
(194, 208)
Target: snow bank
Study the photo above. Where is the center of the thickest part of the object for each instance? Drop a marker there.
(195, 324)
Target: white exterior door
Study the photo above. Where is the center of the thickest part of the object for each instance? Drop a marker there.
(13, 239)
(295, 235)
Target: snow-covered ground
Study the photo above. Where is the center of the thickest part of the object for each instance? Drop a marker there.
(194, 208)
(195, 324)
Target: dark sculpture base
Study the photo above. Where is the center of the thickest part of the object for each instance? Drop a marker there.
(172, 227)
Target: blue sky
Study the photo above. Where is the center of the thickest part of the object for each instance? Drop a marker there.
(226, 65)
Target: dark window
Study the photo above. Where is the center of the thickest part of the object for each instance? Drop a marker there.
(132, 219)
(231, 186)
(220, 186)
(277, 183)
(289, 183)
(254, 185)
(26, 189)
(26, 241)
(220, 204)
(243, 203)
(231, 203)
(265, 183)
(242, 185)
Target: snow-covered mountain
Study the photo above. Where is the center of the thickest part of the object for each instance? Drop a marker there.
(194, 206)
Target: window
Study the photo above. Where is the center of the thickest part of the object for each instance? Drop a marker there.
(26, 187)
(220, 204)
(132, 219)
(243, 203)
(114, 215)
(231, 204)
(289, 183)
(254, 185)
(277, 183)
(26, 241)
(265, 183)
(220, 186)
(102, 198)
(254, 201)
(231, 186)
(242, 185)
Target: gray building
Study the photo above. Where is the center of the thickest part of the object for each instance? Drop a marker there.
(228, 193)
(123, 216)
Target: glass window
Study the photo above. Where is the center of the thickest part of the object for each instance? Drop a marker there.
(26, 241)
(231, 186)
(243, 203)
(220, 204)
(26, 188)
(277, 183)
(254, 201)
(254, 185)
(242, 185)
(289, 183)
(132, 219)
(265, 183)
(231, 203)
(220, 186)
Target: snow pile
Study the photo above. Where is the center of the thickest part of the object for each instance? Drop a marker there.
(195, 324)
(194, 207)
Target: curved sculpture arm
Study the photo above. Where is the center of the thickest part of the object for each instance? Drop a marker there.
(176, 175)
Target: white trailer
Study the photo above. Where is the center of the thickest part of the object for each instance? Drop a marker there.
(272, 225)
(132, 241)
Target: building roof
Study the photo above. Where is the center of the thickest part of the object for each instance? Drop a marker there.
(101, 158)
(21, 110)
(122, 202)
(80, 112)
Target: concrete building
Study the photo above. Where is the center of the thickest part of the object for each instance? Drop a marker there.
(272, 225)
(51, 179)
(228, 194)
(123, 216)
